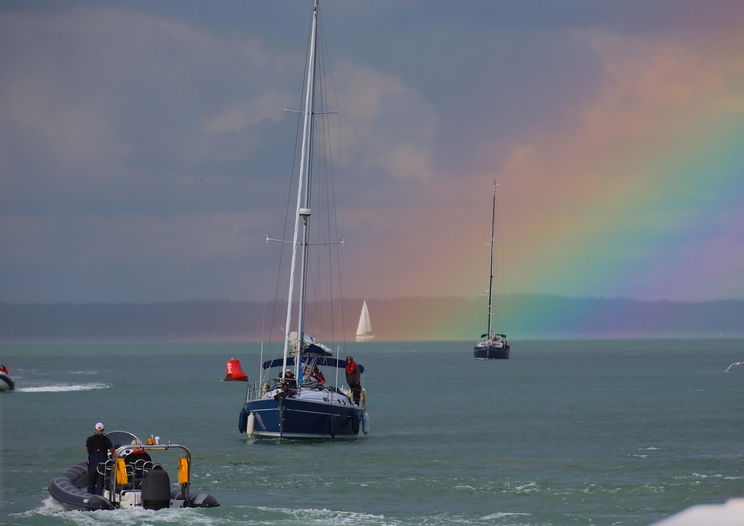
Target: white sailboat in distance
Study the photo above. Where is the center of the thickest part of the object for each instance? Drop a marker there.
(364, 328)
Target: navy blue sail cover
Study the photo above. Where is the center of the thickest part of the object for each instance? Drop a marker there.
(320, 361)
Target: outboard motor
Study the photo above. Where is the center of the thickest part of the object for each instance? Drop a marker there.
(156, 490)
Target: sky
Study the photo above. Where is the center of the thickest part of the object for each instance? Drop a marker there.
(145, 153)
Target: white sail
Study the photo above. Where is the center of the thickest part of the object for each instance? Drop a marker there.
(364, 328)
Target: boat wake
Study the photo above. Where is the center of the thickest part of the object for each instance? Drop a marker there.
(321, 516)
(324, 516)
(129, 517)
(63, 388)
(48, 506)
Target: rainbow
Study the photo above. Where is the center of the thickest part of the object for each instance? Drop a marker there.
(637, 194)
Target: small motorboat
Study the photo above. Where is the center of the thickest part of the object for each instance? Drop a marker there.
(132, 478)
(6, 382)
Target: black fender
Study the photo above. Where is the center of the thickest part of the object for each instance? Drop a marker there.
(243, 420)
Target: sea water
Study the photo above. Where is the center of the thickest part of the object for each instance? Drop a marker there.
(616, 432)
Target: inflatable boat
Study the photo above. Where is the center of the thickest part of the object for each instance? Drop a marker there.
(132, 478)
(6, 382)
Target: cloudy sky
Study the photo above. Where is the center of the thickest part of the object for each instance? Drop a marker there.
(145, 151)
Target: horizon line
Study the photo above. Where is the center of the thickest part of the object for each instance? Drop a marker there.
(366, 298)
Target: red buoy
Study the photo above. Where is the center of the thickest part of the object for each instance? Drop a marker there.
(234, 372)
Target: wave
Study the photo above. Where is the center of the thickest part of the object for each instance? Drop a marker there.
(235, 515)
(48, 506)
(323, 516)
(696, 476)
(63, 388)
(504, 514)
(129, 517)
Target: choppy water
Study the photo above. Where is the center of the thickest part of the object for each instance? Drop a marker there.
(564, 433)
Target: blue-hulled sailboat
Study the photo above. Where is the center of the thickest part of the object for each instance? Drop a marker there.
(295, 400)
(494, 346)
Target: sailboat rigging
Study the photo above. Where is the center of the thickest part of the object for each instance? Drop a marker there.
(301, 403)
(494, 345)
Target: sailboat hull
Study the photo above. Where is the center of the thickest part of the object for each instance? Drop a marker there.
(491, 352)
(295, 418)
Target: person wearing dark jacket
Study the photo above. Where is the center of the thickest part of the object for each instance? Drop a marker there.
(98, 446)
(354, 379)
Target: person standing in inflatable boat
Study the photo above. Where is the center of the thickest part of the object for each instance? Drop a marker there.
(98, 446)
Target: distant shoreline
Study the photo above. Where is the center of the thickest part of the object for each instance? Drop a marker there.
(526, 317)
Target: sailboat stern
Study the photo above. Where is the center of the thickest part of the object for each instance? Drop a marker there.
(297, 418)
(493, 348)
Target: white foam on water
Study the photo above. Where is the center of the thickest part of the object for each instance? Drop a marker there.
(465, 486)
(703, 476)
(326, 516)
(503, 515)
(654, 488)
(125, 517)
(48, 506)
(529, 487)
(261, 515)
(720, 476)
(62, 388)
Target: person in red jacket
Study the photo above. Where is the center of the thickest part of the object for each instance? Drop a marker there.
(354, 379)
(318, 376)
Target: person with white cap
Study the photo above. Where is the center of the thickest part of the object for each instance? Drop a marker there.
(98, 446)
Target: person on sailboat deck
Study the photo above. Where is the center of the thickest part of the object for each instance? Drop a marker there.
(308, 380)
(354, 379)
(3, 369)
(318, 375)
(289, 378)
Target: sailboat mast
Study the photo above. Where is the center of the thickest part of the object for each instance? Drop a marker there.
(306, 163)
(303, 203)
(490, 274)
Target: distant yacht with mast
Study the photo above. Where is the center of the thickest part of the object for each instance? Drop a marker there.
(495, 345)
(364, 327)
